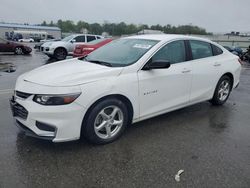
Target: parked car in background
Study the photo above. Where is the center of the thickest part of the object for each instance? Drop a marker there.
(17, 48)
(61, 49)
(26, 40)
(84, 49)
(39, 44)
(246, 55)
(126, 81)
(235, 50)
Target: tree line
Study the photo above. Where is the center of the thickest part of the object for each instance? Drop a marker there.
(118, 29)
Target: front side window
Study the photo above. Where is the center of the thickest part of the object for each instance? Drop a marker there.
(90, 38)
(200, 49)
(173, 52)
(80, 38)
(121, 52)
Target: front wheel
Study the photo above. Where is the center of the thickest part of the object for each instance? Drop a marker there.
(60, 54)
(106, 121)
(222, 91)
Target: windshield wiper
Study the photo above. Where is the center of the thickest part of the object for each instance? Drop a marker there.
(100, 62)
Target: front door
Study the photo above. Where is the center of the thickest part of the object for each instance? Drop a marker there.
(161, 90)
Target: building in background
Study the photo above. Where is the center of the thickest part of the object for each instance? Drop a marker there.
(18, 31)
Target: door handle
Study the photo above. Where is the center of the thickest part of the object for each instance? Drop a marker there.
(186, 71)
(217, 64)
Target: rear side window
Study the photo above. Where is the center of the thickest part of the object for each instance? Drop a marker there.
(216, 50)
(90, 38)
(200, 49)
(173, 52)
(80, 39)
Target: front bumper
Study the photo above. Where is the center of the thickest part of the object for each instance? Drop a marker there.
(55, 123)
(47, 50)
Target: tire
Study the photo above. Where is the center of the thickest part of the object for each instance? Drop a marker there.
(100, 126)
(18, 51)
(222, 90)
(60, 53)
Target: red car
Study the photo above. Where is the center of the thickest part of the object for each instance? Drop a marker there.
(85, 49)
(8, 46)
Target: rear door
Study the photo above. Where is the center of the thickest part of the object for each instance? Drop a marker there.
(206, 70)
(165, 89)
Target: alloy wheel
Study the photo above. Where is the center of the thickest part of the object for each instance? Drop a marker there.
(108, 122)
(224, 90)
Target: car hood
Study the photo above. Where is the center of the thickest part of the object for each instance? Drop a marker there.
(54, 43)
(70, 73)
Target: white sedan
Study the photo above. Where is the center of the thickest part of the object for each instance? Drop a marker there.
(26, 40)
(129, 80)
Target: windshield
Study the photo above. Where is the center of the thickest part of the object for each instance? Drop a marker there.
(66, 39)
(122, 52)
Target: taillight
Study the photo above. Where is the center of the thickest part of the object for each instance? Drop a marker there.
(87, 49)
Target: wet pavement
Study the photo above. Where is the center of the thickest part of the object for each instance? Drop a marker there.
(211, 144)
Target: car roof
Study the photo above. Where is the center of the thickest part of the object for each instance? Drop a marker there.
(168, 37)
(75, 35)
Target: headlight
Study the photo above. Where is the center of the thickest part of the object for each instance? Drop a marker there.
(55, 99)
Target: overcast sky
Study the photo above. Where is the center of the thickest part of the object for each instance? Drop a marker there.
(213, 15)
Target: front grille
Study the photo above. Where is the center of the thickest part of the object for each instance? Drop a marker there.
(19, 111)
(22, 94)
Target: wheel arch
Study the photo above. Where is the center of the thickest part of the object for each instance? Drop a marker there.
(123, 98)
(59, 47)
(231, 76)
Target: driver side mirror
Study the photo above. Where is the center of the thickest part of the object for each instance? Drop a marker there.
(73, 41)
(157, 64)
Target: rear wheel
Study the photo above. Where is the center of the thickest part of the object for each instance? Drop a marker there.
(106, 121)
(60, 53)
(18, 50)
(222, 91)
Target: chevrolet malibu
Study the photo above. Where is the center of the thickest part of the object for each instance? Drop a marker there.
(126, 81)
